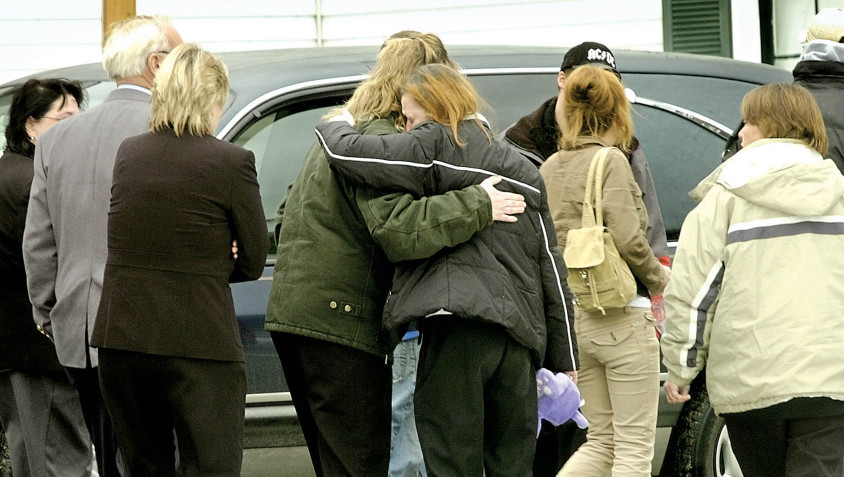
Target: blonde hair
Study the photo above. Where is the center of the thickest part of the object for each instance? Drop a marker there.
(786, 111)
(189, 85)
(379, 95)
(131, 41)
(445, 94)
(594, 103)
(435, 51)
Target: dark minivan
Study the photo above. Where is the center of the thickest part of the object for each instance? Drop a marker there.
(684, 106)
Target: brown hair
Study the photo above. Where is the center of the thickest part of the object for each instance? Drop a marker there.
(786, 111)
(379, 95)
(445, 94)
(594, 103)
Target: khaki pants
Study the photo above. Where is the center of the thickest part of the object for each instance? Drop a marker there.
(619, 380)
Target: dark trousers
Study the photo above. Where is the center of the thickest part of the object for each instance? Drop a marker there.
(148, 396)
(87, 384)
(43, 421)
(342, 399)
(475, 400)
(554, 446)
(809, 447)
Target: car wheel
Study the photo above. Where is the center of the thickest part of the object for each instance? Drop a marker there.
(700, 445)
(5, 464)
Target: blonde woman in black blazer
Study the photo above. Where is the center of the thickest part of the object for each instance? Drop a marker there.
(170, 350)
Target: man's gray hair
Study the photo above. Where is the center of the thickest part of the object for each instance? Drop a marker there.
(130, 43)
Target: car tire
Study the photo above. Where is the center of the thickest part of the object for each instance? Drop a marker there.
(5, 463)
(699, 445)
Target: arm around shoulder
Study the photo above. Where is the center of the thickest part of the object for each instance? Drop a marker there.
(394, 162)
(413, 229)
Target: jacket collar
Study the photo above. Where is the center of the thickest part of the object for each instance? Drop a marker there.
(537, 131)
(135, 87)
(705, 185)
(823, 50)
(130, 94)
(784, 175)
(807, 69)
(584, 141)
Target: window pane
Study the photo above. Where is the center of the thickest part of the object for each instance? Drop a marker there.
(280, 142)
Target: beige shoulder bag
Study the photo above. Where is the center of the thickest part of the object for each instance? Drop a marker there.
(598, 276)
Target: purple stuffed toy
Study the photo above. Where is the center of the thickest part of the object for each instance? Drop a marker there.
(559, 399)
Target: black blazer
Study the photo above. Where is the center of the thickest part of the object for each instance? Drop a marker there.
(176, 205)
(22, 347)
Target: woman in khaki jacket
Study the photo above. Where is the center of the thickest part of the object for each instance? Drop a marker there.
(619, 352)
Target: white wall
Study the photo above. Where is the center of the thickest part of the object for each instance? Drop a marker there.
(41, 34)
(633, 24)
(747, 44)
(45, 34)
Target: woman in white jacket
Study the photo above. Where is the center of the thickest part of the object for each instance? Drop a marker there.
(756, 298)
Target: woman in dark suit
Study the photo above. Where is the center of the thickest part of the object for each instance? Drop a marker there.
(39, 408)
(170, 350)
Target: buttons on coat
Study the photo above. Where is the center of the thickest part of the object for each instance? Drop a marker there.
(348, 308)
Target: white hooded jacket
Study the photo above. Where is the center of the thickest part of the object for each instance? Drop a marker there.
(757, 289)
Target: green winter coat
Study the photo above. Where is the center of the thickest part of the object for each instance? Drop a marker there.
(331, 276)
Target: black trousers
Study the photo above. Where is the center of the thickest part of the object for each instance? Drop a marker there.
(809, 447)
(342, 398)
(148, 396)
(87, 384)
(475, 401)
(554, 446)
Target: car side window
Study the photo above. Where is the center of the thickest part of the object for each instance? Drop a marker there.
(506, 106)
(680, 153)
(280, 140)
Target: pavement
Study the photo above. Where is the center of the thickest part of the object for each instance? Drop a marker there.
(277, 462)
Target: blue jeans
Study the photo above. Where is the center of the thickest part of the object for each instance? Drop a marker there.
(405, 452)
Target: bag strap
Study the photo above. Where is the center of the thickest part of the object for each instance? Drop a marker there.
(593, 215)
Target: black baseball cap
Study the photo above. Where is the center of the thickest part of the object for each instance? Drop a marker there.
(590, 53)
